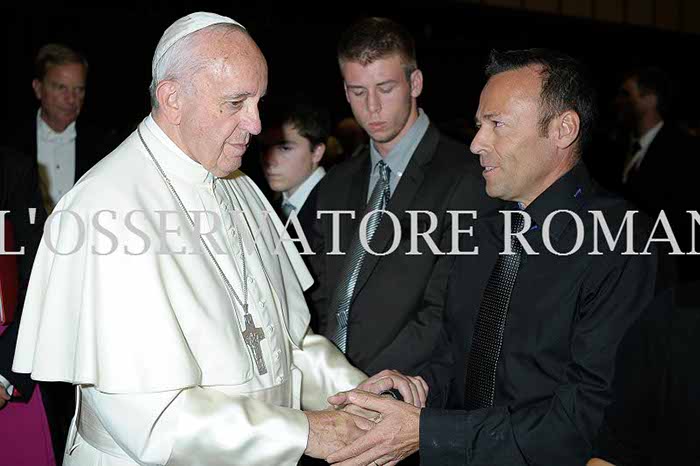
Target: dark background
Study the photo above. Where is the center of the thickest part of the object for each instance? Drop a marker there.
(299, 41)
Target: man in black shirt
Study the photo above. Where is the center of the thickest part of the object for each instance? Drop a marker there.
(523, 369)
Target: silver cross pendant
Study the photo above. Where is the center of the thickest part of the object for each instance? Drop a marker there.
(252, 336)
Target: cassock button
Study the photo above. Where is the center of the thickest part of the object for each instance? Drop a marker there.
(261, 304)
(271, 329)
(277, 355)
(280, 379)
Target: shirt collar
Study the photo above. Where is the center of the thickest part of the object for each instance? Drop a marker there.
(567, 193)
(648, 137)
(46, 133)
(171, 157)
(401, 154)
(302, 193)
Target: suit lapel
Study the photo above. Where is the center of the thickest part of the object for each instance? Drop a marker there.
(83, 148)
(351, 196)
(356, 200)
(640, 177)
(400, 201)
(29, 144)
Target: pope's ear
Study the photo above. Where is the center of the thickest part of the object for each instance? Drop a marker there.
(170, 100)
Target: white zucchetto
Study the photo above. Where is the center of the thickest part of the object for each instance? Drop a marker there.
(184, 27)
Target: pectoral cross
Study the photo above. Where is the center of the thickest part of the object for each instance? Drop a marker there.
(252, 336)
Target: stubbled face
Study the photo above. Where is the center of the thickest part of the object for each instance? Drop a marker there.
(382, 99)
(288, 158)
(62, 93)
(519, 163)
(220, 111)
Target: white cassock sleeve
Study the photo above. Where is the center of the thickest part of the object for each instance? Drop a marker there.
(325, 371)
(200, 427)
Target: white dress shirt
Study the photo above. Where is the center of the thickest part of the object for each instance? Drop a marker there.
(297, 199)
(56, 158)
(638, 157)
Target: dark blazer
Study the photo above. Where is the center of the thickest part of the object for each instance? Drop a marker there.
(19, 190)
(91, 144)
(389, 325)
(306, 215)
(666, 180)
(658, 181)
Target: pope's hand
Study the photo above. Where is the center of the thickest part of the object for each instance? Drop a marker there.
(414, 390)
(394, 438)
(332, 430)
(4, 397)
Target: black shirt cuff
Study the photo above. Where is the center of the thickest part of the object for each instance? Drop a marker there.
(443, 439)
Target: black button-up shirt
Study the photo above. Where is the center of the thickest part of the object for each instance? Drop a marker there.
(566, 318)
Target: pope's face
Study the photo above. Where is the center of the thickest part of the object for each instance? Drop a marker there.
(220, 110)
(382, 98)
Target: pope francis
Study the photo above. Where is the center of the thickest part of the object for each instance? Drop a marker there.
(163, 292)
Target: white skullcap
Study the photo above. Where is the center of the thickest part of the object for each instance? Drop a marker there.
(184, 27)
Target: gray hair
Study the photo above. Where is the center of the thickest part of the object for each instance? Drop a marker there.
(181, 62)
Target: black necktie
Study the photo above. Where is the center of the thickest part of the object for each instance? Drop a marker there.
(490, 324)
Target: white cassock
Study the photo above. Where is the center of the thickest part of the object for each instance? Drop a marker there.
(151, 337)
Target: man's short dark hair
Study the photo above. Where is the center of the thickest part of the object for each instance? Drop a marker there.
(371, 39)
(565, 86)
(311, 120)
(653, 80)
(56, 54)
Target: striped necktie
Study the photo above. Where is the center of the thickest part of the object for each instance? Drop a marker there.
(340, 303)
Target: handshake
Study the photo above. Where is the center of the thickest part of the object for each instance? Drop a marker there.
(367, 427)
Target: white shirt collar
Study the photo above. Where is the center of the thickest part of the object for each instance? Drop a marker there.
(302, 193)
(648, 137)
(47, 134)
(173, 158)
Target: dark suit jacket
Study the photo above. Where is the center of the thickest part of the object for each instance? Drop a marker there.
(666, 180)
(19, 190)
(306, 215)
(660, 180)
(91, 144)
(389, 327)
